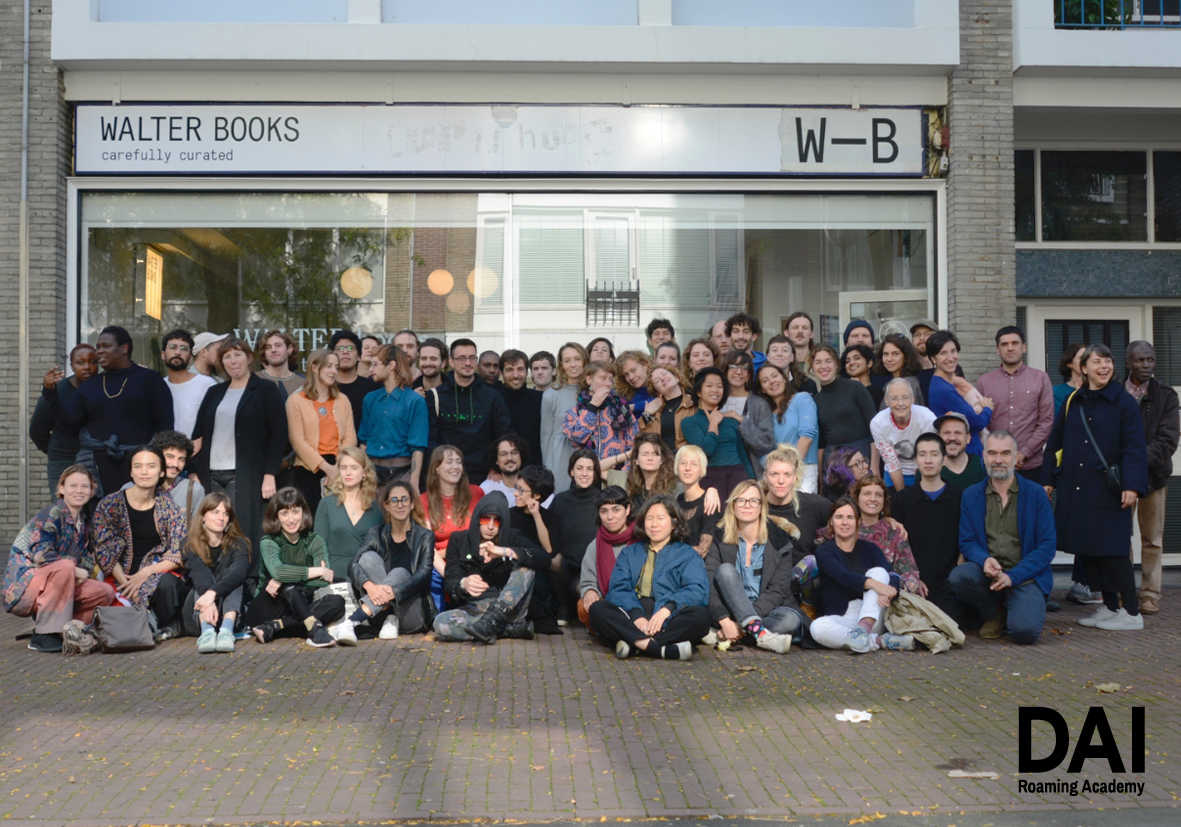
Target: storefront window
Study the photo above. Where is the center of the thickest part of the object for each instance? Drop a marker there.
(522, 269)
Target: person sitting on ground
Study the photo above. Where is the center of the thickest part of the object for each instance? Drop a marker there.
(844, 467)
(138, 535)
(651, 470)
(598, 562)
(48, 576)
(1008, 543)
(217, 558)
(751, 579)
(447, 503)
(929, 510)
(788, 501)
(856, 586)
(294, 563)
(697, 504)
(876, 526)
(392, 569)
(573, 511)
(895, 430)
(348, 511)
(489, 578)
(657, 598)
(532, 519)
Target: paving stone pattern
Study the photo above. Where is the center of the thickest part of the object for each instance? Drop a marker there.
(558, 728)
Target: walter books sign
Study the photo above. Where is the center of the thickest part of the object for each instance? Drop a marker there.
(486, 139)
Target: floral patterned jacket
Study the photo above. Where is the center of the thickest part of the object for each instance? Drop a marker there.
(607, 430)
(111, 538)
(50, 536)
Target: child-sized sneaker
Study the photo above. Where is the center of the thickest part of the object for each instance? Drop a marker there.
(207, 642)
(896, 643)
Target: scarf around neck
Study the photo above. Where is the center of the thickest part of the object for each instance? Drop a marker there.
(604, 554)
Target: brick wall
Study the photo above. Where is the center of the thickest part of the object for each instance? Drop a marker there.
(49, 155)
(981, 259)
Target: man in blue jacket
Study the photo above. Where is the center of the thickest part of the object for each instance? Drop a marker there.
(1007, 538)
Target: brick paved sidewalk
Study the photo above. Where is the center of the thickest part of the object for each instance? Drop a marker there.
(557, 728)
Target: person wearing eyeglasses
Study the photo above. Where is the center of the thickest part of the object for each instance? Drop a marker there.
(751, 578)
(392, 568)
(347, 346)
(466, 413)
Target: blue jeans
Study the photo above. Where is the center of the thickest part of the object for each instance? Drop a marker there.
(1025, 603)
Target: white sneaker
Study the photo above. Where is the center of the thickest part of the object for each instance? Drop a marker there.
(344, 633)
(1101, 614)
(711, 638)
(774, 642)
(1121, 621)
(860, 641)
(389, 629)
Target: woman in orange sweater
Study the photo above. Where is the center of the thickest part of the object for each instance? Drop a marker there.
(319, 424)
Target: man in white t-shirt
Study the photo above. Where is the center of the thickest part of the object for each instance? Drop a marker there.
(187, 388)
(895, 429)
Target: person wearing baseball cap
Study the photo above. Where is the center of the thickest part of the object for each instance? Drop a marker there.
(960, 469)
(919, 332)
(204, 356)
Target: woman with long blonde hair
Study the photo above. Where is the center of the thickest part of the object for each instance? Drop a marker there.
(751, 578)
(217, 558)
(349, 510)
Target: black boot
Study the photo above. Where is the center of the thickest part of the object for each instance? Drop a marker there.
(522, 630)
(489, 626)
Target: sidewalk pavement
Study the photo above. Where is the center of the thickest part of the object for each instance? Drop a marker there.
(559, 729)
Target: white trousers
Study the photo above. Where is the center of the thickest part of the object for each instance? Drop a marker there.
(832, 631)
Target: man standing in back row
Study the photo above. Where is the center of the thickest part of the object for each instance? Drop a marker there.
(1023, 401)
(471, 414)
(1158, 408)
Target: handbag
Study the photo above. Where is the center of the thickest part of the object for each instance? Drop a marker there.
(122, 629)
(1111, 473)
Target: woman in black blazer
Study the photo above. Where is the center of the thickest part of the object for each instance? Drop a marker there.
(259, 438)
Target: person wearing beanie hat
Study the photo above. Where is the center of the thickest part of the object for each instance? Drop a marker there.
(859, 332)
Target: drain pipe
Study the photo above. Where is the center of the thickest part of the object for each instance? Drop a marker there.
(23, 293)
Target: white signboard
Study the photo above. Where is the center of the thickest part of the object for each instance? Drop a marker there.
(466, 139)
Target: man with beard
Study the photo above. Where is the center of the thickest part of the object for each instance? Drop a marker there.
(122, 407)
(187, 388)
(276, 352)
(960, 469)
(524, 404)
(432, 361)
(1024, 401)
(1008, 540)
(406, 340)
(507, 465)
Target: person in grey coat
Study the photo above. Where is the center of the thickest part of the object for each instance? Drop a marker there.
(392, 569)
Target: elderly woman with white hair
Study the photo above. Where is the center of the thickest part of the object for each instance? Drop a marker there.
(895, 429)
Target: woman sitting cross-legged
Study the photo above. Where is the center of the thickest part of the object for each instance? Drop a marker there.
(751, 578)
(657, 598)
(489, 576)
(392, 569)
(294, 564)
(856, 586)
(50, 565)
(217, 558)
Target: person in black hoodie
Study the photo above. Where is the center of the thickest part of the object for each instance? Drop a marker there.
(217, 558)
(465, 413)
(488, 579)
(523, 404)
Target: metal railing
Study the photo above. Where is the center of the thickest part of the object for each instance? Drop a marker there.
(1117, 14)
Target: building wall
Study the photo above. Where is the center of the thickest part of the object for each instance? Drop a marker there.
(981, 259)
(44, 326)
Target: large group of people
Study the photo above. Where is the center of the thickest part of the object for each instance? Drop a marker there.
(664, 497)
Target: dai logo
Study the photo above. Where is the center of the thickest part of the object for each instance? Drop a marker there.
(1095, 740)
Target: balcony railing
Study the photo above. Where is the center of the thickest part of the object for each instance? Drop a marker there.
(1117, 14)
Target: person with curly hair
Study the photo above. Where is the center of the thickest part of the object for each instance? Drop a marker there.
(601, 420)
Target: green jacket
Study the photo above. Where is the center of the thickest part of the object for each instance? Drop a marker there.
(289, 562)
